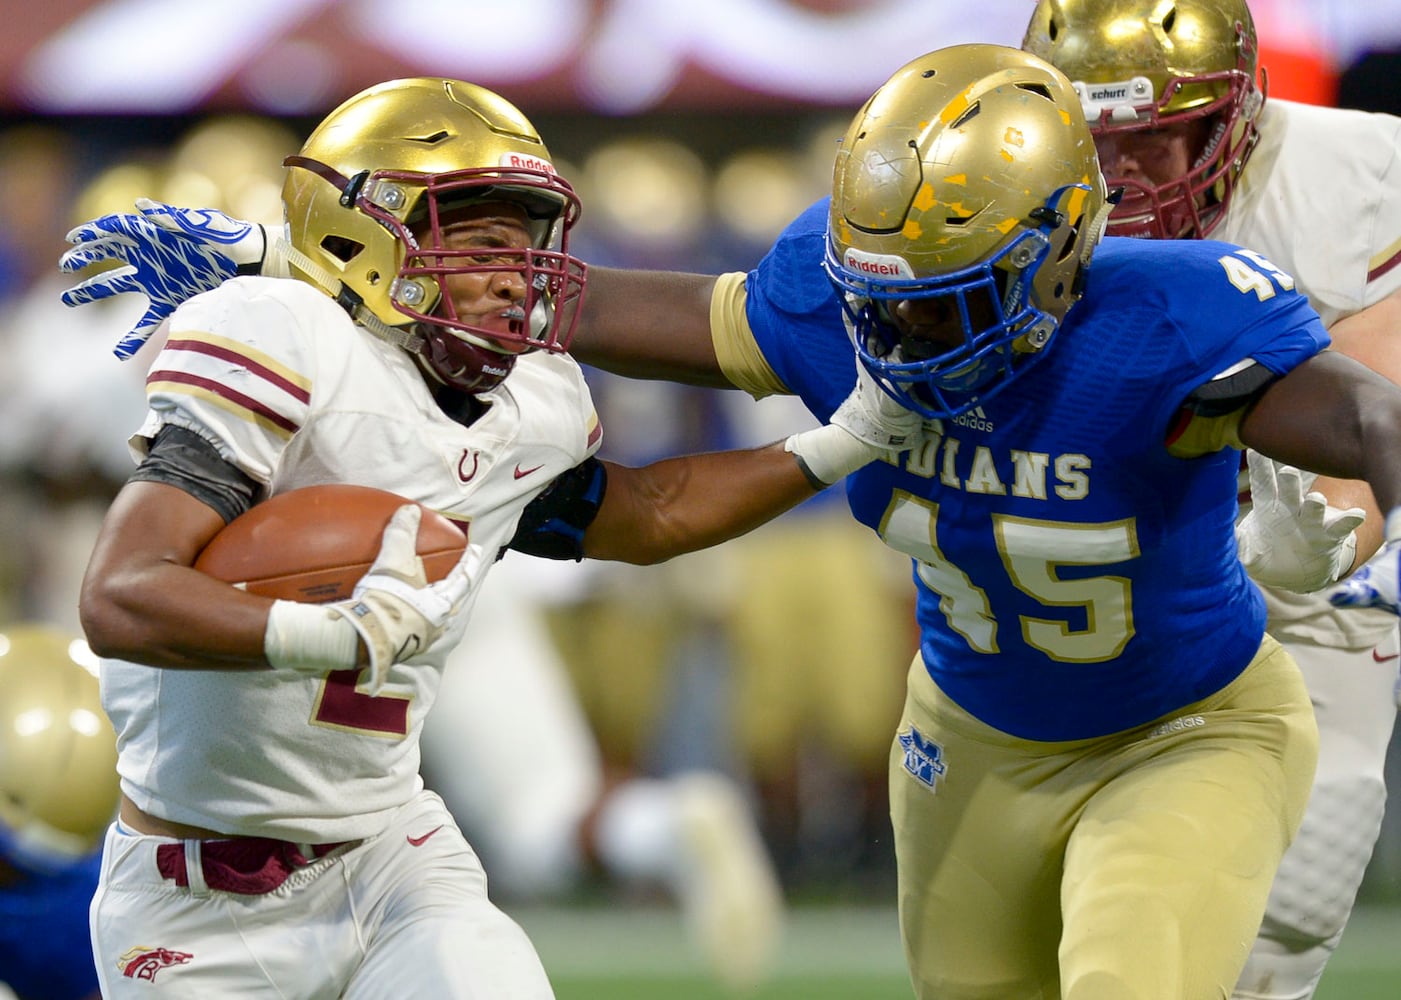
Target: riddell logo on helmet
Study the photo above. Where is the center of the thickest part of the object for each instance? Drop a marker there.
(877, 265)
(520, 161)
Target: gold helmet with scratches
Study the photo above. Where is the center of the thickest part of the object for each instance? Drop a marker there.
(969, 177)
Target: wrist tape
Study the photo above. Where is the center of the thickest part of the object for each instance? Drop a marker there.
(829, 453)
(310, 638)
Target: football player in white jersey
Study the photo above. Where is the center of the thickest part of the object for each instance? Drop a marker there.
(274, 836)
(1177, 103)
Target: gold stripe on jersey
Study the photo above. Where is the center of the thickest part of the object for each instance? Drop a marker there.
(1197, 435)
(1384, 261)
(267, 420)
(236, 350)
(735, 350)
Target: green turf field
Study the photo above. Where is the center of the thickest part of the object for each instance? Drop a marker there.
(837, 953)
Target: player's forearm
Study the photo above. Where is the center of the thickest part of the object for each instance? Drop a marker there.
(173, 617)
(680, 505)
(649, 324)
(1334, 416)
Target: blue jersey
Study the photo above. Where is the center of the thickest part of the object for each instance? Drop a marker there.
(45, 944)
(1074, 578)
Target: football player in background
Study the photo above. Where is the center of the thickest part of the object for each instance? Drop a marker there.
(1103, 755)
(513, 756)
(58, 793)
(271, 808)
(1176, 102)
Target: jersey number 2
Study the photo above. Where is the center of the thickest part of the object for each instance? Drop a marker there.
(340, 706)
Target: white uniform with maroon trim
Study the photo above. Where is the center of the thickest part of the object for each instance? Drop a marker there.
(276, 376)
(1321, 198)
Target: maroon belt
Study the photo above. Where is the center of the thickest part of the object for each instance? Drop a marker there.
(249, 866)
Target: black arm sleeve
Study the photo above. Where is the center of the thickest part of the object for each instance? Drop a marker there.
(181, 458)
(553, 524)
(1232, 390)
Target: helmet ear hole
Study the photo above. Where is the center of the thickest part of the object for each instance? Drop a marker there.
(1068, 246)
(342, 249)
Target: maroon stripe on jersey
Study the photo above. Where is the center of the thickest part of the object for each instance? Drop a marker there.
(1385, 266)
(224, 392)
(243, 361)
(596, 433)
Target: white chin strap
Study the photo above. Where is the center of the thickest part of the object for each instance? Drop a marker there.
(408, 339)
(280, 251)
(542, 314)
(1096, 231)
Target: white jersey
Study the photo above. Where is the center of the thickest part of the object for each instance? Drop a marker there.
(1321, 198)
(280, 380)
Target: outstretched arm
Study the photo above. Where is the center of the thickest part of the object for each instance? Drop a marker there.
(679, 505)
(649, 324)
(643, 324)
(682, 504)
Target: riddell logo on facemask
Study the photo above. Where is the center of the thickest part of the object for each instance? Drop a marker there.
(877, 265)
(520, 161)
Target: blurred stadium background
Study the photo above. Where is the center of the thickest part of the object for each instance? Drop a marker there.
(693, 137)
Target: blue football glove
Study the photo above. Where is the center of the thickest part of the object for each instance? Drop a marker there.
(168, 254)
(1377, 584)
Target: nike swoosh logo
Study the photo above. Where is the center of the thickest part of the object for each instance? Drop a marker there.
(420, 841)
(522, 473)
(1383, 659)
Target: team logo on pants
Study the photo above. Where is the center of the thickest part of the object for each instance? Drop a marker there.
(923, 758)
(144, 963)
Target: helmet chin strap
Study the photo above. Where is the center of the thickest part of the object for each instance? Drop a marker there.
(409, 340)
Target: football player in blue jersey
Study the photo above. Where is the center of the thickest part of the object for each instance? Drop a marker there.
(58, 792)
(1102, 756)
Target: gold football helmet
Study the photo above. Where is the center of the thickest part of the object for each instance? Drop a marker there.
(969, 178)
(58, 753)
(388, 162)
(1140, 65)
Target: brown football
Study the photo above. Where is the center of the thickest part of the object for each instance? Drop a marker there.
(315, 543)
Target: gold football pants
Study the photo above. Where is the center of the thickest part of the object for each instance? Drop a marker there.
(1129, 867)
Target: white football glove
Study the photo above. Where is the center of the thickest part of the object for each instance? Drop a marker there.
(1378, 583)
(393, 610)
(869, 424)
(1291, 538)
